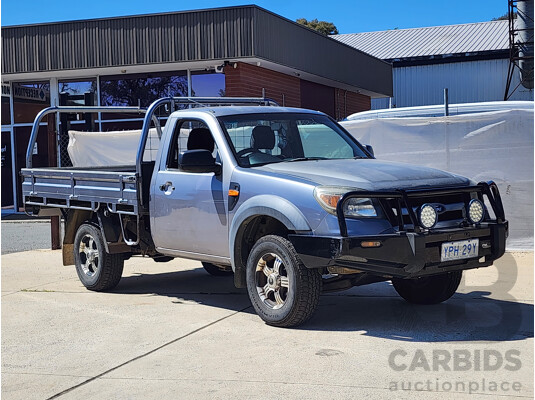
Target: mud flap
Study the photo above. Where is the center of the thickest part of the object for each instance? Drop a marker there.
(68, 254)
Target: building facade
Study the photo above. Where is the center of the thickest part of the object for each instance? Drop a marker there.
(470, 60)
(235, 51)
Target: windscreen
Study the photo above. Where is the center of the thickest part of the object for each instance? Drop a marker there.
(259, 139)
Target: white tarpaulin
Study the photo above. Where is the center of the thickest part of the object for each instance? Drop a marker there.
(106, 149)
(494, 146)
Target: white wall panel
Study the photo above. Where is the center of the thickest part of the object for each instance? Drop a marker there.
(467, 82)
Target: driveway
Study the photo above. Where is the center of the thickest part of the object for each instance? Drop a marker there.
(171, 331)
(24, 235)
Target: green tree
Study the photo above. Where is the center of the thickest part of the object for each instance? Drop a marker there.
(324, 27)
(504, 16)
(128, 92)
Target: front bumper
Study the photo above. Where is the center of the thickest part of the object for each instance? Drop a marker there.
(411, 251)
(401, 255)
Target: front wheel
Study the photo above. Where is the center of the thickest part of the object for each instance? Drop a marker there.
(429, 289)
(96, 269)
(282, 290)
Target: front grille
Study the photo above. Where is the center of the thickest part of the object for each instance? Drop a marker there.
(451, 209)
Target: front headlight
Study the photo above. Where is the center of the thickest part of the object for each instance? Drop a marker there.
(328, 197)
(355, 207)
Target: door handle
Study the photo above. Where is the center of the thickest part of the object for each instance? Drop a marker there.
(166, 186)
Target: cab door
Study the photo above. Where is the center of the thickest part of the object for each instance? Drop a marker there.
(189, 209)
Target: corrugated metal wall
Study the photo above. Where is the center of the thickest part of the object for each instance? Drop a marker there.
(218, 34)
(467, 82)
(189, 36)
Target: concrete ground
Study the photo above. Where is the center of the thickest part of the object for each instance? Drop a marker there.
(23, 235)
(172, 331)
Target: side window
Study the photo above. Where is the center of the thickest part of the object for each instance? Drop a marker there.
(189, 135)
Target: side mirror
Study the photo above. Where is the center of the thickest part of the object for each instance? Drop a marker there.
(198, 161)
(369, 149)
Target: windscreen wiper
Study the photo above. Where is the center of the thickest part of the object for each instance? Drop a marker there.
(305, 159)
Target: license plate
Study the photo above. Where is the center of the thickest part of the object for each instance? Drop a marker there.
(459, 250)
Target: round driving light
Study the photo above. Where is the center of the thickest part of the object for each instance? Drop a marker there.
(428, 216)
(476, 211)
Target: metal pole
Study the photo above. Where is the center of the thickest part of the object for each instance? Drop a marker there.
(98, 104)
(14, 169)
(55, 235)
(189, 82)
(13, 150)
(446, 104)
(345, 103)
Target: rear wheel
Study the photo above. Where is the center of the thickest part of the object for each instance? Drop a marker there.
(96, 269)
(429, 289)
(217, 270)
(282, 290)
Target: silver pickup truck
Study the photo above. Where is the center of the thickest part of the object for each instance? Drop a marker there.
(282, 198)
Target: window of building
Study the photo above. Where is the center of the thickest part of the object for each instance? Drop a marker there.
(79, 92)
(6, 112)
(6, 103)
(207, 84)
(28, 99)
(141, 89)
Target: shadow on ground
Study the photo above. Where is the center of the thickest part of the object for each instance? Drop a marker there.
(375, 310)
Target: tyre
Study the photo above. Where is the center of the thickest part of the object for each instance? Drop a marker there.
(163, 259)
(282, 290)
(96, 269)
(430, 289)
(217, 270)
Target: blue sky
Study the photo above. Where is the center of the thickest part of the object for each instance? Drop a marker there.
(348, 16)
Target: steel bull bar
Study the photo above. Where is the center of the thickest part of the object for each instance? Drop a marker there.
(409, 251)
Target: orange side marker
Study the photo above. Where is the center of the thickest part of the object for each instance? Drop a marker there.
(233, 193)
